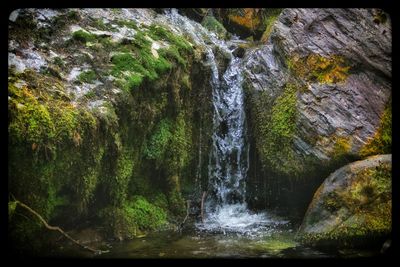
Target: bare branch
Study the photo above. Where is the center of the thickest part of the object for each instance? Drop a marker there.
(56, 228)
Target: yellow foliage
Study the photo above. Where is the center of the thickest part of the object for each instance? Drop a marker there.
(331, 69)
(342, 146)
(381, 143)
(249, 20)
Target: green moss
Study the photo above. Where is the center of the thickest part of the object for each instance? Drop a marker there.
(90, 95)
(83, 36)
(125, 167)
(87, 76)
(160, 33)
(332, 202)
(47, 131)
(134, 69)
(269, 16)
(178, 145)
(128, 23)
(158, 142)
(283, 118)
(30, 120)
(133, 81)
(59, 62)
(137, 62)
(125, 62)
(99, 24)
(160, 200)
(176, 203)
(11, 208)
(341, 147)
(381, 143)
(73, 15)
(368, 200)
(146, 215)
(133, 218)
(185, 81)
(275, 131)
(333, 69)
(212, 24)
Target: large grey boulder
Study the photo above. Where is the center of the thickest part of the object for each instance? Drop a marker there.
(318, 91)
(352, 205)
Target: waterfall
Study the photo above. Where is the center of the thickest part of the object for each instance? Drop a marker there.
(226, 207)
(229, 155)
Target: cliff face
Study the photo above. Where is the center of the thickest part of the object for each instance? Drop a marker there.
(108, 111)
(318, 93)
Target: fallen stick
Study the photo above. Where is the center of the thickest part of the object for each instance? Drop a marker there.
(187, 215)
(56, 228)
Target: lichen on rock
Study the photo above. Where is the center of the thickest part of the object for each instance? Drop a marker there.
(352, 207)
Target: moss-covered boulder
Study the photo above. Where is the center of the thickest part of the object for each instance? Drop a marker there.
(315, 101)
(353, 206)
(107, 112)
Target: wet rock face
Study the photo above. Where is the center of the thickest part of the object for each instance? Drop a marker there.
(362, 35)
(353, 202)
(351, 108)
(339, 62)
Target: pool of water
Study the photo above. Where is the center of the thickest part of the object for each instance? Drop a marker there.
(196, 243)
(206, 245)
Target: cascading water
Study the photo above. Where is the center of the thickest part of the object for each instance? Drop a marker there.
(226, 207)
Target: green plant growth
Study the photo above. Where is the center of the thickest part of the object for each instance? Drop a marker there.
(158, 142)
(341, 148)
(99, 24)
(178, 48)
(11, 208)
(73, 15)
(381, 143)
(87, 76)
(314, 67)
(269, 16)
(128, 23)
(59, 62)
(83, 36)
(137, 61)
(212, 24)
(119, 185)
(146, 215)
(368, 200)
(179, 145)
(30, 120)
(134, 218)
(275, 131)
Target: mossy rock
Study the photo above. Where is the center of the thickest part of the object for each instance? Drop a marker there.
(314, 67)
(133, 218)
(212, 24)
(352, 207)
